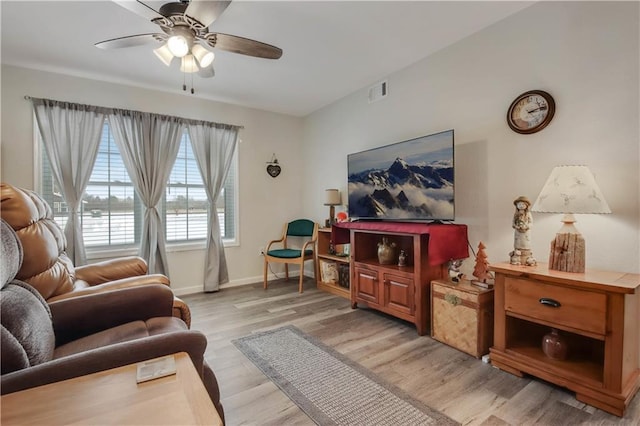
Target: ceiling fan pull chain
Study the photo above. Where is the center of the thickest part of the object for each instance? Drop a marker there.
(184, 82)
(192, 91)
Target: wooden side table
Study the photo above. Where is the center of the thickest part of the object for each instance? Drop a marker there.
(462, 316)
(112, 397)
(596, 312)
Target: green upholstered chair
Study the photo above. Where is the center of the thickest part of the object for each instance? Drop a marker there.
(302, 232)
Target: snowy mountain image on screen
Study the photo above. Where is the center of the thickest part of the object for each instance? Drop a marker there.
(404, 191)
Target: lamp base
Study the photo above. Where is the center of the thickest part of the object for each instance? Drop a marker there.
(567, 253)
(332, 215)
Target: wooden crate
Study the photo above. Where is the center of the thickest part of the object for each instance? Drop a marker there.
(462, 316)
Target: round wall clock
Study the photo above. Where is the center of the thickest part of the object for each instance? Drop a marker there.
(531, 112)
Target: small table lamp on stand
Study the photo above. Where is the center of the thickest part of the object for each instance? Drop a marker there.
(569, 190)
(332, 199)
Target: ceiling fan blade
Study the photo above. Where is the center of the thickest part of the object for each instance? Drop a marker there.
(130, 41)
(246, 46)
(206, 11)
(139, 8)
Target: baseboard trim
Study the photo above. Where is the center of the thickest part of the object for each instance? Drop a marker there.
(183, 291)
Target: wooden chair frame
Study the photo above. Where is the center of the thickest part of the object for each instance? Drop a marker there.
(300, 259)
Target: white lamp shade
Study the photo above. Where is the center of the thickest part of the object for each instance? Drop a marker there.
(178, 45)
(332, 197)
(164, 54)
(207, 72)
(571, 189)
(189, 64)
(205, 57)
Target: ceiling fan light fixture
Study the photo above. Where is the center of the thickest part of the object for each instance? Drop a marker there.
(164, 54)
(205, 57)
(178, 45)
(185, 26)
(189, 64)
(207, 72)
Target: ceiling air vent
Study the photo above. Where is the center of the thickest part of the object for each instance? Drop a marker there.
(378, 91)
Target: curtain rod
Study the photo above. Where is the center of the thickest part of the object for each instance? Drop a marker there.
(28, 98)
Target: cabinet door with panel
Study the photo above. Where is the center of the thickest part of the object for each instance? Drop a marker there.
(399, 293)
(366, 285)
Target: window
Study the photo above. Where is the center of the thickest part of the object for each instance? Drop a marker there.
(112, 212)
(186, 200)
(109, 200)
(185, 197)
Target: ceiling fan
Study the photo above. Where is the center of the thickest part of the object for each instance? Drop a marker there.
(185, 35)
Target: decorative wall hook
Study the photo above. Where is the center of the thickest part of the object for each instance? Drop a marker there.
(273, 168)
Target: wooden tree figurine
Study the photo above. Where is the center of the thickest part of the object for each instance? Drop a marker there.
(481, 268)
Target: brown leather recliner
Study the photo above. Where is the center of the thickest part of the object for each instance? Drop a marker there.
(49, 342)
(48, 269)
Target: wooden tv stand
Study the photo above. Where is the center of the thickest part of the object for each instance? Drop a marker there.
(597, 312)
(401, 291)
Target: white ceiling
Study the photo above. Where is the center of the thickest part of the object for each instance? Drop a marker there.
(331, 48)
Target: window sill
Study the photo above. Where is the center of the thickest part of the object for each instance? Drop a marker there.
(97, 253)
(175, 247)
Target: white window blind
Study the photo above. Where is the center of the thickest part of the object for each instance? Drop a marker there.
(111, 214)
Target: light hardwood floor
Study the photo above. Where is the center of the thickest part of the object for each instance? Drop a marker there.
(443, 378)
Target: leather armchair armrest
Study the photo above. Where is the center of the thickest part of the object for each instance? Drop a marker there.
(192, 342)
(111, 270)
(114, 285)
(181, 310)
(80, 316)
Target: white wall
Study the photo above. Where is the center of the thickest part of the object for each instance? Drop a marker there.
(584, 53)
(265, 203)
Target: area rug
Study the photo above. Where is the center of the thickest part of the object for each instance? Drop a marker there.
(330, 388)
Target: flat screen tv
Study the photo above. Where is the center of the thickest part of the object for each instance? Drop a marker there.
(409, 180)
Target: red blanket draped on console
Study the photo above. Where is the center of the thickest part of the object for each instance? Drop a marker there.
(446, 241)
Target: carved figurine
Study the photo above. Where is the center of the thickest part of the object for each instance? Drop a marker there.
(332, 248)
(454, 270)
(481, 268)
(514, 257)
(402, 258)
(522, 221)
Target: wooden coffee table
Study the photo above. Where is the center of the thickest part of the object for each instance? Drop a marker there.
(113, 397)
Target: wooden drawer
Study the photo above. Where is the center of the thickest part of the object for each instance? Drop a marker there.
(462, 316)
(570, 307)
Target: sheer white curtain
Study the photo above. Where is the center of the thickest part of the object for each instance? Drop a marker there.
(213, 145)
(149, 146)
(71, 137)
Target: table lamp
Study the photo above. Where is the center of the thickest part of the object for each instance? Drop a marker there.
(332, 199)
(569, 190)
